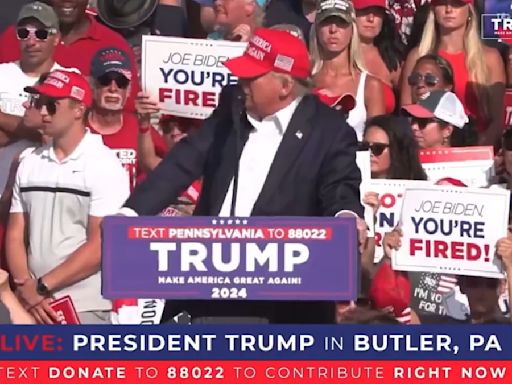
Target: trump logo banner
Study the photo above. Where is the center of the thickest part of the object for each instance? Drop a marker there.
(253, 258)
(187, 75)
(452, 230)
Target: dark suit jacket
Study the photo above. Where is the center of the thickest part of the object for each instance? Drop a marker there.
(314, 173)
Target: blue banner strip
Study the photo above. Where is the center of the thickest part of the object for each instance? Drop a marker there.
(256, 342)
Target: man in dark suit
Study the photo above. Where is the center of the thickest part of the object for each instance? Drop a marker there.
(287, 154)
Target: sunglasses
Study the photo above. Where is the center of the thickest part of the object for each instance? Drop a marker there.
(422, 123)
(121, 81)
(49, 103)
(429, 79)
(375, 148)
(41, 34)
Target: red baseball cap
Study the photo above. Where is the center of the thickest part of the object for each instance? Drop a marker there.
(62, 84)
(362, 4)
(271, 50)
(344, 103)
(390, 289)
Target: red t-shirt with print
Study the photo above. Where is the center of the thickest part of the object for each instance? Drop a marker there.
(124, 144)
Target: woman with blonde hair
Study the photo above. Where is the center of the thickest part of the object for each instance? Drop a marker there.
(337, 64)
(452, 31)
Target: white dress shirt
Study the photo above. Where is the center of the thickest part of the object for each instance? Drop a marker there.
(256, 159)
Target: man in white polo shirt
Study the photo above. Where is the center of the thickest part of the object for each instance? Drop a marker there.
(61, 193)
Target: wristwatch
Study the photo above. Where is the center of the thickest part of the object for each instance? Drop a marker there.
(42, 288)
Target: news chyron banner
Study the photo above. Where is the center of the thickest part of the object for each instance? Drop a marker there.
(238, 354)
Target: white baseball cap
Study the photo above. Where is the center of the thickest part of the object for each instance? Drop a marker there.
(439, 104)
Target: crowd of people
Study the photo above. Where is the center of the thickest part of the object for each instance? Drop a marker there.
(79, 140)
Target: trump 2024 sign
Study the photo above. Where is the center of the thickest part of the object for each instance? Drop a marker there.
(206, 258)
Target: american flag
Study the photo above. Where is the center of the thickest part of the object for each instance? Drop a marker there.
(442, 283)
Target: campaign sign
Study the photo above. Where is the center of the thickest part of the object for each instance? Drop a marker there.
(495, 20)
(474, 166)
(187, 75)
(204, 258)
(390, 199)
(452, 230)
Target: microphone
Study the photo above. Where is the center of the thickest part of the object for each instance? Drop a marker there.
(237, 109)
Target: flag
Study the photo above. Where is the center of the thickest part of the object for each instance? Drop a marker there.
(437, 282)
(446, 283)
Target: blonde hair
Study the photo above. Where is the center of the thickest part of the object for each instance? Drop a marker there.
(478, 72)
(316, 51)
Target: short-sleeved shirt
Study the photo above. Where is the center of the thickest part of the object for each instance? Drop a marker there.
(58, 197)
(79, 53)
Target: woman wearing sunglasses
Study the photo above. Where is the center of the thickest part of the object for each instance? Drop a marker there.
(393, 155)
(393, 149)
(438, 120)
(452, 31)
(430, 72)
(337, 63)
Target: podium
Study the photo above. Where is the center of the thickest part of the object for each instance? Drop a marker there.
(233, 270)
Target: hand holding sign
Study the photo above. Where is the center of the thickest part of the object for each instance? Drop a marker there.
(145, 106)
(372, 200)
(504, 250)
(392, 241)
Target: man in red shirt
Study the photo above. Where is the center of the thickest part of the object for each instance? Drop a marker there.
(111, 71)
(82, 37)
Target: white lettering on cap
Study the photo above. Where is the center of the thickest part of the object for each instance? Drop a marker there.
(261, 43)
(338, 4)
(284, 62)
(61, 76)
(77, 92)
(256, 53)
(55, 82)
